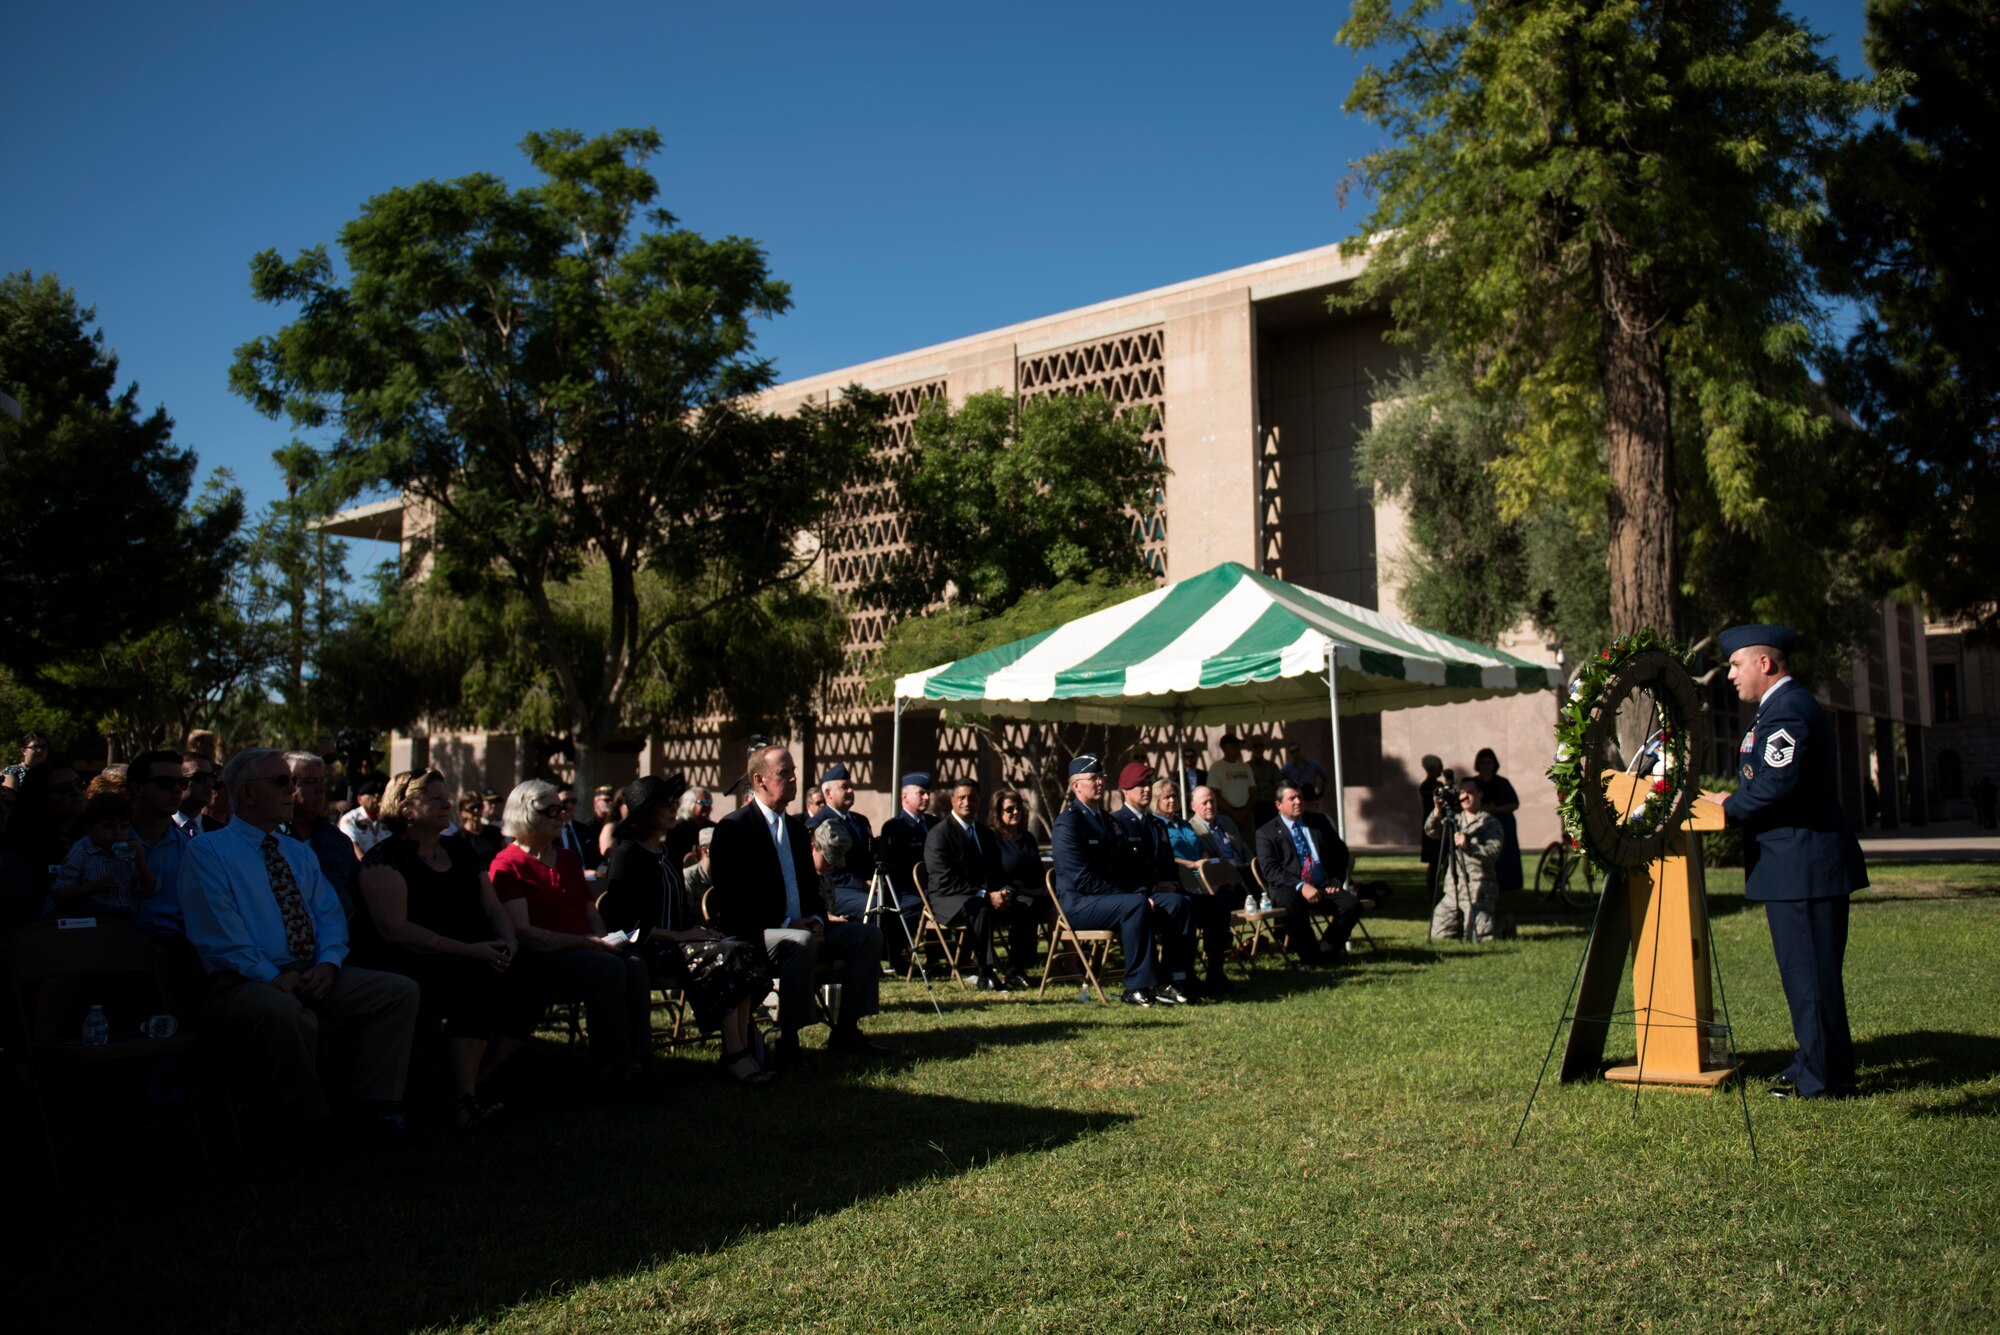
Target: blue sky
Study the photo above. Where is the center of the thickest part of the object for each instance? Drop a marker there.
(917, 172)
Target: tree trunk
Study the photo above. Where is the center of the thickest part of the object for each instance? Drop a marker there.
(1645, 569)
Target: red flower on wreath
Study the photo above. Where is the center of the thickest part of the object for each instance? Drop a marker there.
(1605, 655)
(1659, 785)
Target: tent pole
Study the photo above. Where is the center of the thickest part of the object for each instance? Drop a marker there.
(1333, 713)
(895, 755)
(1180, 754)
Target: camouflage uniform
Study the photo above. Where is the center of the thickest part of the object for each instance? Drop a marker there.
(1469, 883)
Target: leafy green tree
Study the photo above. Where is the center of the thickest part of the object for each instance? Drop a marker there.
(1596, 210)
(295, 581)
(552, 387)
(1911, 239)
(96, 543)
(1003, 497)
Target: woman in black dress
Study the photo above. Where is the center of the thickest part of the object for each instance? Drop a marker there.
(643, 888)
(431, 915)
(1021, 867)
(1501, 801)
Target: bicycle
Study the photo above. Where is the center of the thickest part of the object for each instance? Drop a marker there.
(1561, 874)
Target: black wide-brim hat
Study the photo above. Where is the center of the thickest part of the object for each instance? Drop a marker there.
(646, 794)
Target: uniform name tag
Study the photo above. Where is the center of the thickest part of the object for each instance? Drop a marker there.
(1779, 748)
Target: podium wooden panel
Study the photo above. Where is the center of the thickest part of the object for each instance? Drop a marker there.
(1658, 923)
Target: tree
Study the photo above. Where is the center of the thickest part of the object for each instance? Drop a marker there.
(1911, 238)
(552, 388)
(1596, 211)
(296, 576)
(96, 543)
(1004, 497)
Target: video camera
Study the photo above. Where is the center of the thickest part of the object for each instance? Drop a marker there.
(1445, 796)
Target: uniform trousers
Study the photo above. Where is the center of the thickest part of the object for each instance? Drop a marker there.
(1128, 916)
(1809, 937)
(279, 1032)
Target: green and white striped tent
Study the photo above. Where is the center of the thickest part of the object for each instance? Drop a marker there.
(1223, 647)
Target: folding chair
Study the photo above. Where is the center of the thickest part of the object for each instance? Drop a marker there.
(928, 926)
(1092, 948)
(59, 969)
(1367, 904)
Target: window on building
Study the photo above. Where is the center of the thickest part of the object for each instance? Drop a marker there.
(1944, 693)
(1950, 776)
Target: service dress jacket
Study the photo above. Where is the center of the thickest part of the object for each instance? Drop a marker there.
(1088, 852)
(1799, 845)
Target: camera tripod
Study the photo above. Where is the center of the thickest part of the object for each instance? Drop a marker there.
(883, 900)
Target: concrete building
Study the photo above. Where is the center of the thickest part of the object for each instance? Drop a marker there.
(1259, 393)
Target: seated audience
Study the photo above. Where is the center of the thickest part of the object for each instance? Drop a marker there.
(310, 827)
(700, 880)
(273, 940)
(692, 815)
(607, 826)
(767, 894)
(104, 872)
(199, 771)
(1021, 872)
(966, 885)
(1468, 878)
(110, 779)
(643, 889)
(485, 838)
(1219, 838)
(216, 814)
(44, 825)
(564, 956)
(1303, 862)
(432, 916)
(847, 881)
(1097, 890)
(1148, 846)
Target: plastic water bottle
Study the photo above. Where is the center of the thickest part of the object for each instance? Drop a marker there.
(96, 1029)
(1265, 903)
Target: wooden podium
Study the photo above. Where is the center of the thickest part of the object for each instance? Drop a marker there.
(1659, 923)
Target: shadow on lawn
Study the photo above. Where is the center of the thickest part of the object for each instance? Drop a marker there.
(1919, 1059)
(454, 1230)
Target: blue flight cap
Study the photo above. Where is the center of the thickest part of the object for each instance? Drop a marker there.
(915, 779)
(1085, 764)
(833, 773)
(1781, 638)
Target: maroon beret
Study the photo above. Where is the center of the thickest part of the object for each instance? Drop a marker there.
(1135, 774)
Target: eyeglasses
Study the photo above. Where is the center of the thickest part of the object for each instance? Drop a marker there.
(554, 811)
(706, 802)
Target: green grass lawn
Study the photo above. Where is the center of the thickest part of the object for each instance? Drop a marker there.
(1327, 1152)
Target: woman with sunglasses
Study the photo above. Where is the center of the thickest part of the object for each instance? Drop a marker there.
(564, 954)
(1021, 866)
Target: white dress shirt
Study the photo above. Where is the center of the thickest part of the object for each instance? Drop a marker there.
(232, 913)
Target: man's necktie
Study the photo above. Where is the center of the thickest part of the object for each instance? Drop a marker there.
(785, 868)
(299, 936)
(1307, 870)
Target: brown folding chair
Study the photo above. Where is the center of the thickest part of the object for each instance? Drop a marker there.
(1254, 927)
(928, 927)
(1091, 948)
(58, 970)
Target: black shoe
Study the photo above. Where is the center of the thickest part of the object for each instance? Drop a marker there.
(1785, 1081)
(1137, 996)
(1172, 995)
(849, 1039)
(987, 982)
(1017, 981)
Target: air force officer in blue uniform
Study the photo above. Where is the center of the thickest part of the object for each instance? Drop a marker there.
(1097, 887)
(1800, 859)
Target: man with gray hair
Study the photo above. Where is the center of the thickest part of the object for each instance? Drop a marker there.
(273, 941)
(310, 827)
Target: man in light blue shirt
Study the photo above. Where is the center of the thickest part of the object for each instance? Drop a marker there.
(156, 783)
(273, 940)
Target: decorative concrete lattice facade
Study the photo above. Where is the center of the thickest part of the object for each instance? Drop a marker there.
(866, 530)
(1130, 370)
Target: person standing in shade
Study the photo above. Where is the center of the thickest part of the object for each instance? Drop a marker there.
(1233, 783)
(1801, 861)
(1499, 800)
(273, 939)
(1264, 781)
(1095, 884)
(1427, 791)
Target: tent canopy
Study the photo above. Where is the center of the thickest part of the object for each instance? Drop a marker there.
(1226, 646)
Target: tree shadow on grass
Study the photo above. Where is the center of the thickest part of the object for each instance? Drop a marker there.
(455, 1229)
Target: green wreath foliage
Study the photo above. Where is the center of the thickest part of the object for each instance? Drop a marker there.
(1643, 663)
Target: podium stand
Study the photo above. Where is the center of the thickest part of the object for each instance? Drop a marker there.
(1659, 921)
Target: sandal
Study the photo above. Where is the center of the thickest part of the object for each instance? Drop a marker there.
(757, 1079)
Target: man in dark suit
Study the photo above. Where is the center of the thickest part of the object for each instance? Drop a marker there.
(1099, 890)
(1801, 860)
(849, 883)
(767, 893)
(964, 881)
(1150, 856)
(1302, 862)
(900, 847)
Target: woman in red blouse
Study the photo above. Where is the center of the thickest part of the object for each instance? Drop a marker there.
(564, 956)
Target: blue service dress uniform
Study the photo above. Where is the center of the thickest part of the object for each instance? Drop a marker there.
(1149, 856)
(1094, 883)
(849, 884)
(899, 848)
(1801, 861)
